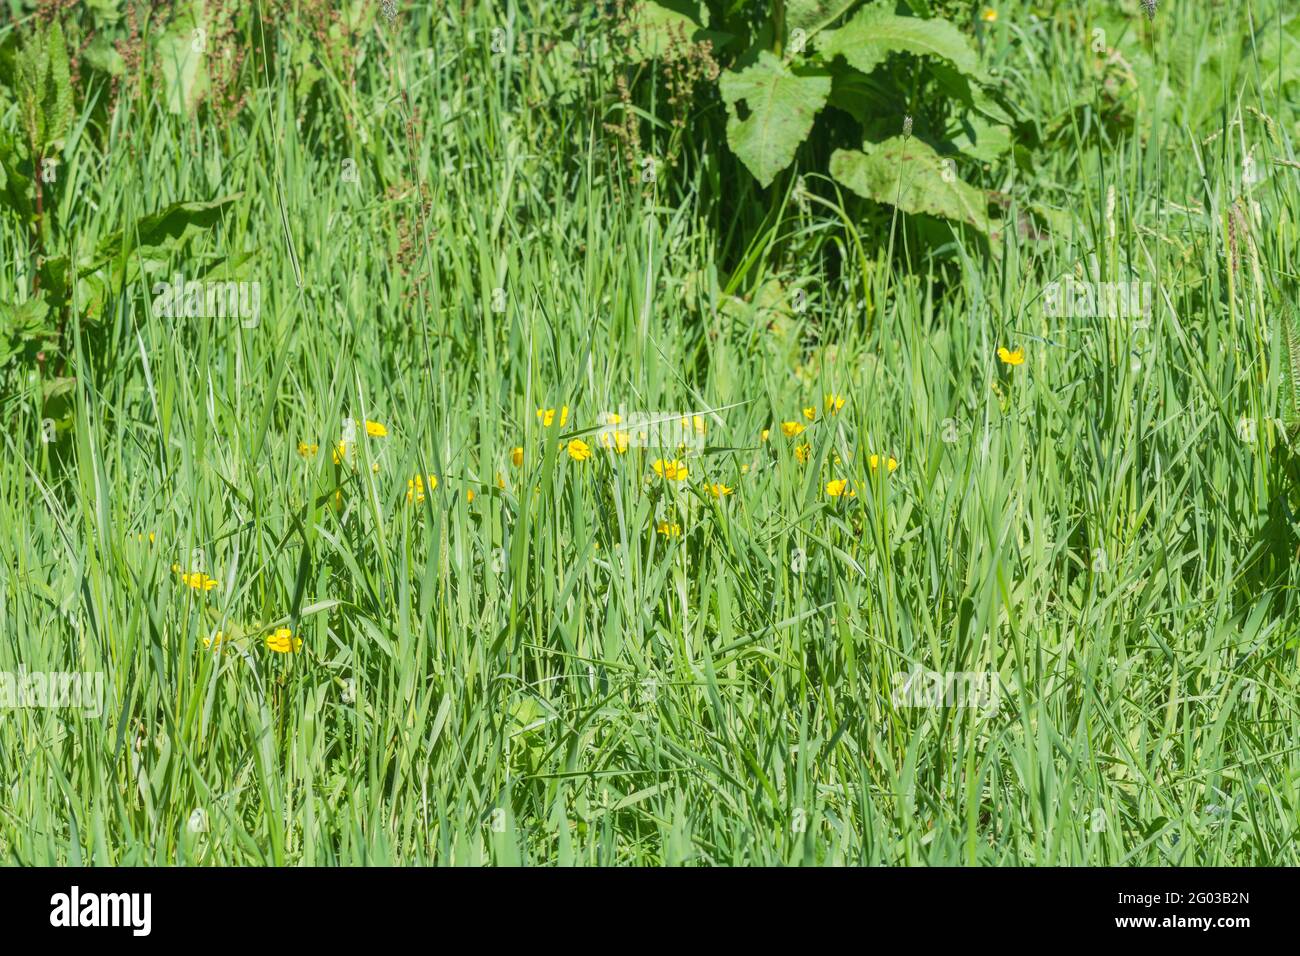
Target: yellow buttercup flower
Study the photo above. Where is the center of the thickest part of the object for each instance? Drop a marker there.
(834, 402)
(376, 430)
(340, 452)
(307, 450)
(810, 413)
(802, 453)
(762, 436)
(1012, 358)
(790, 429)
(613, 418)
(719, 490)
(697, 421)
(547, 415)
(215, 640)
(517, 457)
(617, 440)
(579, 450)
(839, 488)
(674, 470)
(469, 495)
(196, 579)
(989, 15)
(501, 481)
(874, 462)
(669, 530)
(283, 641)
(415, 487)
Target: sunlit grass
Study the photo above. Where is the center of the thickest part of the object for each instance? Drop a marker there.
(597, 660)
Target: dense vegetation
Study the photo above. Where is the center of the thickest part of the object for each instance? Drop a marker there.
(328, 333)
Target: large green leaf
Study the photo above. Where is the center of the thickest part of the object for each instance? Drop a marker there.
(781, 107)
(874, 33)
(812, 16)
(157, 236)
(1278, 51)
(101, 55)
(15, 185)
(182, 54)
(980, 139)
(44, 88)
(58, 105)
(21, 324)
(908, 174)
(656, 26)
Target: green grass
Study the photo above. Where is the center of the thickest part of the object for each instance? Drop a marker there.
(537, 676)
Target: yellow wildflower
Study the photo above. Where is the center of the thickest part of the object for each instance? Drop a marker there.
(764, 433)
(1012, 358)
(415, 487)
(307, 450)
(834, 402)
(616, 440)
(810, 413)
(839, 488)
(547, 415)
(579, 450)
(340, 453)
(283, 641)
(196, 579)
(874, 462)
(719, 490)
(376, 430)
(674, 470)
(989, 15)
(790, 429)
(802, 453)
(669, 530)
(517, 457)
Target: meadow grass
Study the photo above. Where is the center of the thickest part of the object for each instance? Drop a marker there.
(551, 673)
